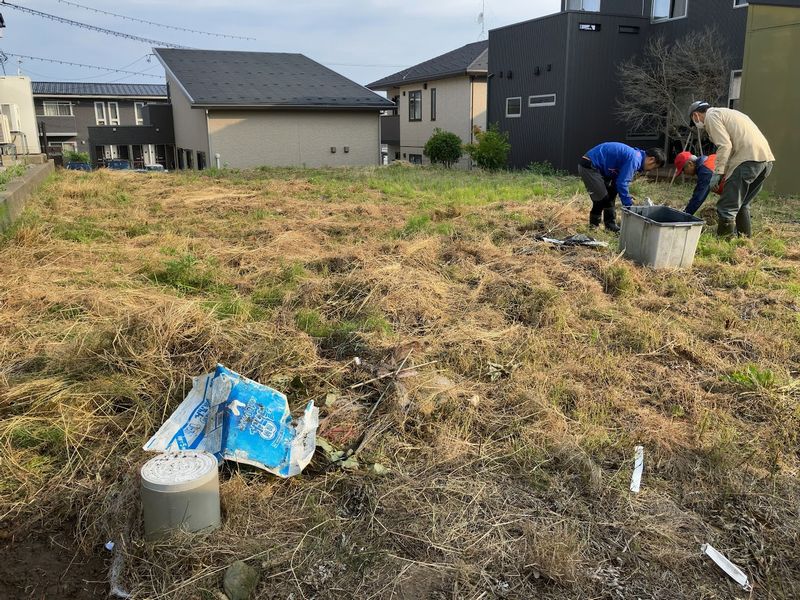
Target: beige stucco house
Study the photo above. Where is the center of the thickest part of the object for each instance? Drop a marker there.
(249, 109)
(447, 92)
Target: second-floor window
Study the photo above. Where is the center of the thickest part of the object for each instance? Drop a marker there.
(737, 3)
(415, 106)
(113, 113)
(433, 104)
(137, 108)
(664, 10)
(587, 5)
(100, 113)
(56, 109)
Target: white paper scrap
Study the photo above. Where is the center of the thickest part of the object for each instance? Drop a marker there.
(638, 466)
(723, 563)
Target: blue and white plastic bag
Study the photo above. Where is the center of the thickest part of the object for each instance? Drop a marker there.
(237, 419)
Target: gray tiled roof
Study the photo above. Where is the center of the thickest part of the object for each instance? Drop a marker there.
(472, 58)
(125, 90)
(263, 79)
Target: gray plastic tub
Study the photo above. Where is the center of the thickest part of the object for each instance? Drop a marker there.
(659, 236)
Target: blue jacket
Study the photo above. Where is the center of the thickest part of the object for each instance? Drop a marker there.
(703, 187)
(619, 163)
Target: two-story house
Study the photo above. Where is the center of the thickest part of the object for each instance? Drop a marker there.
(446, 92)
(553, 83)
(107, 120)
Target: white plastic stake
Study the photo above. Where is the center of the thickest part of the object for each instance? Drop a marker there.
(731, 569)
(638, 466)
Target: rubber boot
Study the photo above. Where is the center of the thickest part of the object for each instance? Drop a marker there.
(743, 225)
(595, 215)
(726, 228)
(610, 220)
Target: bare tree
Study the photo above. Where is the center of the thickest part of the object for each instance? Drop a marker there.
(658, 86)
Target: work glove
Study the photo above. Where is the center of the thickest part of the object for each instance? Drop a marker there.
(714, 184)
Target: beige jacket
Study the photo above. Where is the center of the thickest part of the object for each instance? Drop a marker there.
(737, 139)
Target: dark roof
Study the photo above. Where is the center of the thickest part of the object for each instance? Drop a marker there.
(126, 90)
(472, 58)
(263, 79)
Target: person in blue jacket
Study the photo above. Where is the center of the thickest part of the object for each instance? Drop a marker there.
(607, 170)
(703, 167)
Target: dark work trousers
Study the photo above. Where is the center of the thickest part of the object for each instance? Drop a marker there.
(741, 188)
(602, 191)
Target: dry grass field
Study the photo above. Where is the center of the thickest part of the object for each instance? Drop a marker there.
(499, 467)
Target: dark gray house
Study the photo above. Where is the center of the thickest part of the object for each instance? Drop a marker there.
(107, 120)
(553, 83)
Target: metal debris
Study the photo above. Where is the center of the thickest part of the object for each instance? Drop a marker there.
(731, 569)
(638, 467)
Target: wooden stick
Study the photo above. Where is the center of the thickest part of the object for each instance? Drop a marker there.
(390, 374)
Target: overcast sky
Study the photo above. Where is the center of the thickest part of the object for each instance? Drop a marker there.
(362, 39)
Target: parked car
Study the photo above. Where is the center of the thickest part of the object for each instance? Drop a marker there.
(78, 166)
(119, 164)
(152, 168)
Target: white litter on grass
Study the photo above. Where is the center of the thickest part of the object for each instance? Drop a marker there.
(638, 467)
(109, 546)
(235, 418)
(723, 563)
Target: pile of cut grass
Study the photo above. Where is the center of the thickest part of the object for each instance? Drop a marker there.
(508, 453)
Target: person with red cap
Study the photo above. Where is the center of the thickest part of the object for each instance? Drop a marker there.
(703, 167)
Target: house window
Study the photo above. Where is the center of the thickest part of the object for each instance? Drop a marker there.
(433, 104)
(201, 161)
(397, 156)
(415, 106)
(56, 109)
(513, 107)
(663, 10)
(589, 26)
(586, 5)
(542, 100)
(113, 113)
(634, 29)
(739, 3)
(100, 113)
(415, 159)
(137, 108)
(735, 91)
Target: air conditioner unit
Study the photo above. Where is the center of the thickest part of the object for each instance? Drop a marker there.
(5, 130)
(12, 112)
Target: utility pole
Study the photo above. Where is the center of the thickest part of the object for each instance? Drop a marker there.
(482, 20)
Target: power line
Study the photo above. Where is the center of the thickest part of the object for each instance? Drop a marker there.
(74, 64)
(136, 20)
(90, 27)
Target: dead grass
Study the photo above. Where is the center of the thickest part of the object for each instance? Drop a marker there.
(508, 454)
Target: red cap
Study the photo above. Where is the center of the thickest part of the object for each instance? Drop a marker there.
(681, 160)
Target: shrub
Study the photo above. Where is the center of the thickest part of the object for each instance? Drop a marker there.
(491, 150)
(73, 156)
(443, 148)
(546, 169)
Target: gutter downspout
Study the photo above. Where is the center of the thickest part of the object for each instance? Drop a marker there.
(208, 137)
(471, 113)
(566, 97)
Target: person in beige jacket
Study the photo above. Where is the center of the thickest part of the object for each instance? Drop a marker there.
(744, 161)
